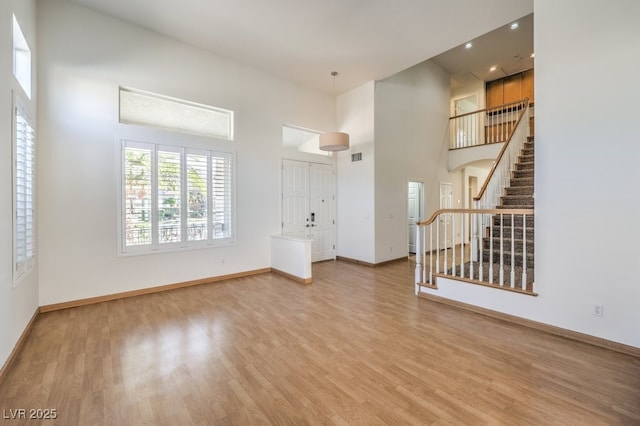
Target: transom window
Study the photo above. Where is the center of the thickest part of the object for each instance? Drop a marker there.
(21, 58)
(175, 197)
(150, 109)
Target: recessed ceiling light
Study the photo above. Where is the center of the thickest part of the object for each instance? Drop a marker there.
(468, 45)
(515, 26)
(492, 69)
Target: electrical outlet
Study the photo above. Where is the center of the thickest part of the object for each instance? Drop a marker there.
(598, 310)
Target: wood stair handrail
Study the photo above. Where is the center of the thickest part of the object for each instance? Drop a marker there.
(503, 106)
(502, 151)
(437, 213)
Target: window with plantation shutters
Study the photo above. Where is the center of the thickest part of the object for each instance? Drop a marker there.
(24, 178)
(175, 197)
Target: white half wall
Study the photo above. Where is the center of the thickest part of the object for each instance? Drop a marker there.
(84, 57)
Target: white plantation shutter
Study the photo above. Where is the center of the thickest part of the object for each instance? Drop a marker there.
(169, 195)
(192, 192)
(24, 174)
(197, 196)
(137, 195)
(222, 195)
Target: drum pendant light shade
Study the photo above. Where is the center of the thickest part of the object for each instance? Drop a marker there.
(334, 141)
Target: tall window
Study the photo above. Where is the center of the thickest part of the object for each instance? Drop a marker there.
(23, 192)
(175, 197)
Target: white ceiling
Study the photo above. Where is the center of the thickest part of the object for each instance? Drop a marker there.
(304, 40)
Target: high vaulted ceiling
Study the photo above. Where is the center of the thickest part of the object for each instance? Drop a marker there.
(304, 40)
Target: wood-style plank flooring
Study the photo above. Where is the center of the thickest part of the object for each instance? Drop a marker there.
(355, 347)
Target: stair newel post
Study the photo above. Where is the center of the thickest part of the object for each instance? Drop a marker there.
(501, 281)
(446, 254)
(438, 246)
(480, 248)
(431, 253)
(524, 251)
(418, 272)
(513, 251)
(462, 242)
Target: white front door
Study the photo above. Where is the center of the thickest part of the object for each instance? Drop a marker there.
(295, 198)
(446, 202)
(308, 205)
(321, 211)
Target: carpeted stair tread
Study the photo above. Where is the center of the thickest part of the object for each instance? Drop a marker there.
(518, 221)
(522, 173)
(518, 231)
(506, 258)
(522, 181)
(524, 165)
(516, 200)
(508, 244)
(519, 190)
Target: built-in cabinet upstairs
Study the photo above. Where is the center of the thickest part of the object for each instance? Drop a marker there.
(511, 89)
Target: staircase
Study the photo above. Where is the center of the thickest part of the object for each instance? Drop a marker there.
(491, 244)
(518, 195)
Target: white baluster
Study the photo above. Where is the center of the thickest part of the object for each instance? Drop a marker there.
(491, 250)
(453, 244)
(513, 252)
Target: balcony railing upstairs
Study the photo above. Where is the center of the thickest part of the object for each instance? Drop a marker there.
(485, 126)
(500, 174)
(490, 247)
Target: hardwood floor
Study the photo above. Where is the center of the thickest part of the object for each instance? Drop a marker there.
(355, 347)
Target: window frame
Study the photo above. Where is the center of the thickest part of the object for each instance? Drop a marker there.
(185, 149)
(22, 268)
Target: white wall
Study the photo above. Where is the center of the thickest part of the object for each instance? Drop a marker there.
(17, 304)
(587, 230)
(355, 180)
(411, 118)
(84, 57)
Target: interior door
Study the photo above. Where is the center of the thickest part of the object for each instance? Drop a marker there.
(308, 209)
(414, 211)
(446, 202)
